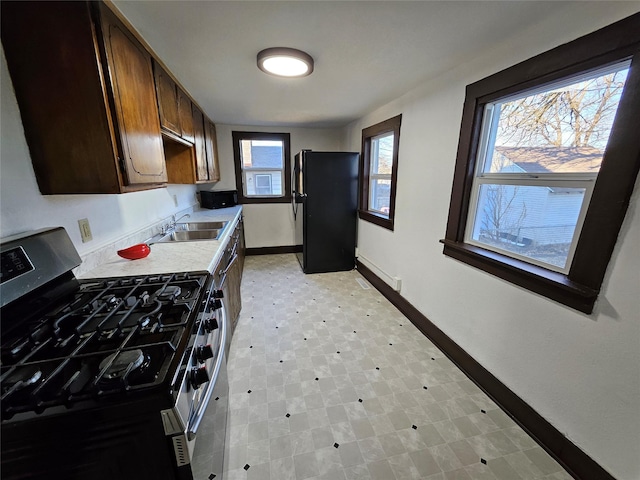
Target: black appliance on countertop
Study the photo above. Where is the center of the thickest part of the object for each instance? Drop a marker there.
(325, 202)
(218, 198)
(114, 378)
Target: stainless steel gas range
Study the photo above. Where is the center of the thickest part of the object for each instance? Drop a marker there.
(116, 378)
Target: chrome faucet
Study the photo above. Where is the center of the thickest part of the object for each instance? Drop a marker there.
(171, 226)
(187, 215)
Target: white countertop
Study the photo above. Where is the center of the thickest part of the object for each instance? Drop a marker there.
(174, 257)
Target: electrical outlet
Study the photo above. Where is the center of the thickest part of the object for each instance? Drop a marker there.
(85, 230)
(175, 200)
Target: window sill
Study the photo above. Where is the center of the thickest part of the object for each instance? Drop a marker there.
(553, 285)
(378, 219)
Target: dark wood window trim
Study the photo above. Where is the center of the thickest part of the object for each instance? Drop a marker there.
(620, 165)
(390, 125)
(286, 139)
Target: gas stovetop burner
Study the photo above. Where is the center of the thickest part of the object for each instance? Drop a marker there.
(110, 302)
(170, 293)
(119, 365)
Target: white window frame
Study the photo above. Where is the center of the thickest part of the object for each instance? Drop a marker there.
(241, 171)
(374, 158)
(377, 131)
(265, 175)
(585, 181)
(256, 172)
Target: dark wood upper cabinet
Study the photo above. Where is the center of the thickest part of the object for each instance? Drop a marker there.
(211, 144)
(85, 89)
(174, 105)
(202, 174)
(135, 101)
(195, 162)
(167, 94)
(185, 113)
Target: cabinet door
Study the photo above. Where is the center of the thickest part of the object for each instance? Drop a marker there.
(202, 173)
(167, 100)
(213, 167)
(186, 116)
(135, 102)
(57, 79)
(234, 277)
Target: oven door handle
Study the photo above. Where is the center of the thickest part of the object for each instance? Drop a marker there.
(192, 430)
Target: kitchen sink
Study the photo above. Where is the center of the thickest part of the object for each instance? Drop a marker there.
(190, 235)
(201, 226)
(192, 231)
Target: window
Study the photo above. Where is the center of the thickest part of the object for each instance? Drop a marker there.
(538, 159)
(546, 166)
(379, 171)
(263, 167)
(263, 184)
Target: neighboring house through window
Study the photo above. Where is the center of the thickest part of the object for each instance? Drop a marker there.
(263, 184)
(379, 172)
(546, 166)
(263, 167)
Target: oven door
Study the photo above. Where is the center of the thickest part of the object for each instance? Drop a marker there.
(208, 425)
(197, 424)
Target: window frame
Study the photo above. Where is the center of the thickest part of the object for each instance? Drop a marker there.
(579, 287)
(266, 175)
(392, 125)
(285, 138)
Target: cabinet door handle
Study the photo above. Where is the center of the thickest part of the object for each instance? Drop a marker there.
(224, 272)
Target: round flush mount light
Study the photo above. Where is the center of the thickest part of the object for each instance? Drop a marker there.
(285, 62)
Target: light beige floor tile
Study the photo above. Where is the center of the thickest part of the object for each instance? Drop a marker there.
(381, 470)
(543, 461)
(306, 465)
(502, 470)
(403, 467)
(372, 450)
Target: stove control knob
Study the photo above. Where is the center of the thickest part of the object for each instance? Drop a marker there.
(215, 303)
(203, 353)
(199, 376)
(218, 294)
(210, 324)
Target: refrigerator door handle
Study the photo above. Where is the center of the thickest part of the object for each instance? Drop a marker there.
(294, 194)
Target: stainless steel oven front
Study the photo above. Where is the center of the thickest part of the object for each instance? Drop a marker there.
(196, 426)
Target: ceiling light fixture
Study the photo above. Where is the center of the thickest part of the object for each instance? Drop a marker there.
(285, 62)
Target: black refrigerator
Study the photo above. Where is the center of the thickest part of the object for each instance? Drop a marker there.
(325, 202)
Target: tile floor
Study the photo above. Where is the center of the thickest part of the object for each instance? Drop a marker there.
(329, 381)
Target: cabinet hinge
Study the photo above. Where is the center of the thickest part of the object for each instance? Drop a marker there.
(121, 165)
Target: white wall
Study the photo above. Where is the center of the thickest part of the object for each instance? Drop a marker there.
(271, 224)
(580, 372)
(111, 217)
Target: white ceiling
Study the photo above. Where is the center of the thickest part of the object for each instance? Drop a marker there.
(366, 53)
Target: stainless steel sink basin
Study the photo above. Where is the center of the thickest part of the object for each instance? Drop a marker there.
(191, 232)
(201, 226)
(190, 235)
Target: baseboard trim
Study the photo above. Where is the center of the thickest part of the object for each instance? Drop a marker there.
(575, 461)
(274, 250)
